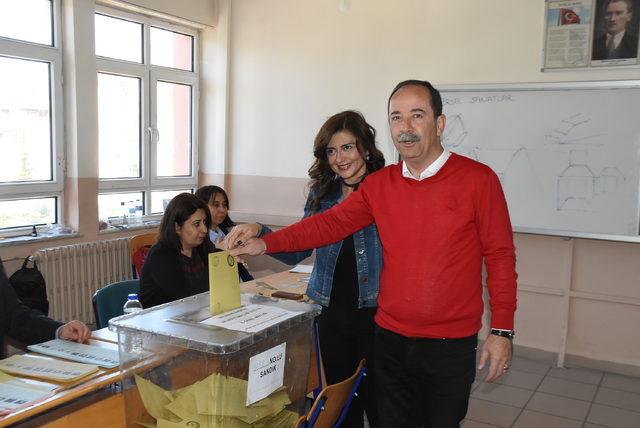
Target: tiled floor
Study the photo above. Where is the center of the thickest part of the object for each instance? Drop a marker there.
(537, 395)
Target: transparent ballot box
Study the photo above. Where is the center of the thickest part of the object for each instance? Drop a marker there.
(243, 368)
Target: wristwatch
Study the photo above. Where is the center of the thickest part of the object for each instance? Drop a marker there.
(509, 334)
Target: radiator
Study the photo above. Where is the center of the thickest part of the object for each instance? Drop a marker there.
(74, 272)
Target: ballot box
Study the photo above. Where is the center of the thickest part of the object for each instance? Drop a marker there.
(243, 368)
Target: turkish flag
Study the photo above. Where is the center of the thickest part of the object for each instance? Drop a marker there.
(568, 16)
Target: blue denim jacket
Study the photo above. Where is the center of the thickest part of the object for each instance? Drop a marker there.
(368, 258)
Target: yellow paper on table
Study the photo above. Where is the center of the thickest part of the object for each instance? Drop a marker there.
(224, 284)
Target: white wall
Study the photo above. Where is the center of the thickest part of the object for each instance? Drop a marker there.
(295, 62)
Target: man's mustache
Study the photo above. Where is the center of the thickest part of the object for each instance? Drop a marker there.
(406, 137)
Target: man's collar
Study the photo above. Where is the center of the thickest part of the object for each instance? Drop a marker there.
(429, 171)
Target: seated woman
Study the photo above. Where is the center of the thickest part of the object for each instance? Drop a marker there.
(176, 265)
(218, 203)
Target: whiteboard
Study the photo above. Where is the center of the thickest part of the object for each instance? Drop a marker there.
(567, 155)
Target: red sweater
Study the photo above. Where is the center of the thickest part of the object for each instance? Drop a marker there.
(435, 234)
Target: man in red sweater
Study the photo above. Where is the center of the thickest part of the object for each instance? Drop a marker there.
(439, 215)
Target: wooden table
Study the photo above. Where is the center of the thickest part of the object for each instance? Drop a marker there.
(98, 401)
(71, 404)
(283, 281)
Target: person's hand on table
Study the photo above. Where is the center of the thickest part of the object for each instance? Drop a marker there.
(498, 351)
(74, 331)
(241, 233)
(252, 247)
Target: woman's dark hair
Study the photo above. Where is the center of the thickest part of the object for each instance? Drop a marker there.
(179, 209)
(207, 193)
(321, 174)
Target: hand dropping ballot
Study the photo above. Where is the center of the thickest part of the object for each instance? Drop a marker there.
(224, 285)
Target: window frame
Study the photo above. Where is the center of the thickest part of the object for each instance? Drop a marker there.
(51, 54)
(149, 75)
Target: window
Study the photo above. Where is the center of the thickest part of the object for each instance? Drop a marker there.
(147, 113)
(31, 165)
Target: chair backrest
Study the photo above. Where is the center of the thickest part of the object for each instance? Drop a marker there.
(109, 300)
(139, 246)
(332, 404)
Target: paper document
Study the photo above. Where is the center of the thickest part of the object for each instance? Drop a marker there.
(302, 269)
(74, 351)
(216, 401)
(224, 283)
(16, 393)
(46, 368)
(13, 396)
(250, 318)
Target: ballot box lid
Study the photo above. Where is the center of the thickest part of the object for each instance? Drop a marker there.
(180, 323)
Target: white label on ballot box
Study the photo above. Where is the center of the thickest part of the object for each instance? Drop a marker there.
(250, 318)
(266, 373)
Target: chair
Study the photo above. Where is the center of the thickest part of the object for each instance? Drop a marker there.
(109, 300)
(140, 245)
(331, 406)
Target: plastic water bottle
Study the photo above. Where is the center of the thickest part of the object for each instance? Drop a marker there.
(139, 208)
(132, 304)
(133, 343)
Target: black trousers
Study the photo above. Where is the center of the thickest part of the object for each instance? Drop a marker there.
(423, 382)
(345, 338)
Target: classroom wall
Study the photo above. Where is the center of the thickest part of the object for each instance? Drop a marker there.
(295, 62)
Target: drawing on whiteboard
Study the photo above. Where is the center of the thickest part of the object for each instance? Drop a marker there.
(567, 158)
(454, 135)
(610, 180)
(578, 185)
(455, 131)
(571, 130)
(575, 183)
(503, 162)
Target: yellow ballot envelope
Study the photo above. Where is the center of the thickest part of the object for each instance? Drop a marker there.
(224, 285)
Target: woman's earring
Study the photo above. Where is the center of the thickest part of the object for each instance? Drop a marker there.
(367, 157)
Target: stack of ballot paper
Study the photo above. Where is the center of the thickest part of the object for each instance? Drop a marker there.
(216, 401)
(46, 368)
(16, 393)
(74, 351)
(302, 269)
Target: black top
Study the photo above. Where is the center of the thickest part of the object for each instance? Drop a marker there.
(18, 321)
(344, 292)
(168, 275)
(343, 304)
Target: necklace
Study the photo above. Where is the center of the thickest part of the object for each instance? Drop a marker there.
(356, 184)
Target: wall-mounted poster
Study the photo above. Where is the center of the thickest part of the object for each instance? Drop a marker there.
(615, 35)
(568, 29)
(591, 33)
